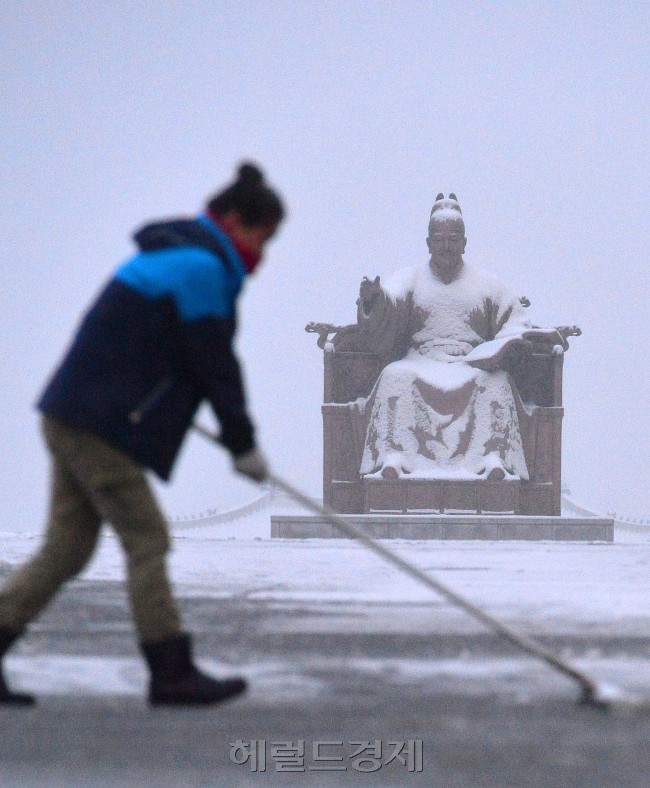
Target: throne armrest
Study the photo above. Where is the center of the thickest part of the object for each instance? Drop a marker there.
(349, 374)
(350, 368)
(538, 375)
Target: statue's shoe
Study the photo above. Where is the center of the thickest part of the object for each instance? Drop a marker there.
(395, 465)
(494, 470)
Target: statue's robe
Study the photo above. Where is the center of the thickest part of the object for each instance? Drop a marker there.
(431, 414)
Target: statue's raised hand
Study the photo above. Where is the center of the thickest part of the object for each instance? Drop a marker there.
(369, 291)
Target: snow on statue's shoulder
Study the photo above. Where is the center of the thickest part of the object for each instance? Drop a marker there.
(398, 285)
(489, 283)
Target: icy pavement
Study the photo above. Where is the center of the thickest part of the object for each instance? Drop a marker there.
(283, 682)
(337, 588)
(339, 646)
(548, 586)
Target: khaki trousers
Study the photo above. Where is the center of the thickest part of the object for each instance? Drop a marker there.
(93, 482)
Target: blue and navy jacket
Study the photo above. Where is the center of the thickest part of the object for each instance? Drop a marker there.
(156, 342)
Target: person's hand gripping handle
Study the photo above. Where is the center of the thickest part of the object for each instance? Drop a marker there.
(252, 464)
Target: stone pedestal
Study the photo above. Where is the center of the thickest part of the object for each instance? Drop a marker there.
(446, 527)
(424, 496)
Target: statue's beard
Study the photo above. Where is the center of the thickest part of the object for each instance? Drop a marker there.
(447, 263)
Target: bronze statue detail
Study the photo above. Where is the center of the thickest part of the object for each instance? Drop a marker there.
(441, 373)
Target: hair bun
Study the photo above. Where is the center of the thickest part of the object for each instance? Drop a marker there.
(250, 196)
(250, 174)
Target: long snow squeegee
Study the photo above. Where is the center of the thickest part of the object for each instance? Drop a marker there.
(593, 694)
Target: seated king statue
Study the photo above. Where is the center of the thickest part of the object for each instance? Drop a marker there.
(446, 408)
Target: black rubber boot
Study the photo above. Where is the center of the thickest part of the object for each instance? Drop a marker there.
(176, 681)
(7, 638)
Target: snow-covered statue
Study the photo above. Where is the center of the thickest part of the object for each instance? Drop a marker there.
(444, 405)
(446, 409)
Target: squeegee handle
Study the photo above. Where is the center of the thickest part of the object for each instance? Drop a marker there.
(352, 530)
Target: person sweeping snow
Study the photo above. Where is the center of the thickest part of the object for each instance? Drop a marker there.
(153, 346)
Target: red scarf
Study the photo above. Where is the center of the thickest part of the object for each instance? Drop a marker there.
(250, 259)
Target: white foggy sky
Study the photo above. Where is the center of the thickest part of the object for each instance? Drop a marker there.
(534, 113)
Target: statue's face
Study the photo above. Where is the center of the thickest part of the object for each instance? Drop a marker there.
(446, 243)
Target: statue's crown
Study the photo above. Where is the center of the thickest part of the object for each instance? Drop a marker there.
(443, 203)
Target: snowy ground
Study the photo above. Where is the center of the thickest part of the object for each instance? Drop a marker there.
(544, 587)
(336, 642)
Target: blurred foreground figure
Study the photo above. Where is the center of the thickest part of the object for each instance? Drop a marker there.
(157, 341)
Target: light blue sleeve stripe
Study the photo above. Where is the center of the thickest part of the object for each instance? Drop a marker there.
(196, 280)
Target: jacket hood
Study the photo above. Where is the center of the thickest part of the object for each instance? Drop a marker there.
(188, 232)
